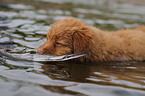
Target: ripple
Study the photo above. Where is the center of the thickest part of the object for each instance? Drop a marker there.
(18, 22)
(20, 6)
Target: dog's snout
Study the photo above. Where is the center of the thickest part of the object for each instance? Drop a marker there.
(40, 50)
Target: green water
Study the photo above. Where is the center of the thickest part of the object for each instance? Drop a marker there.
(26, 23)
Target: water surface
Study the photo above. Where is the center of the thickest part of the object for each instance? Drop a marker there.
(24, 26)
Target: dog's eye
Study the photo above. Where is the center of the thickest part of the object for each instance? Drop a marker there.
(57, 43)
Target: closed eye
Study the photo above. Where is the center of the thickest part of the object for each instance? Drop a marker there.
(58, 44)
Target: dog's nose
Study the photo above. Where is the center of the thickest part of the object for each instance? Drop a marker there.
(39, 50)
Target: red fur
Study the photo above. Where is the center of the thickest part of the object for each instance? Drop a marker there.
(71, 35)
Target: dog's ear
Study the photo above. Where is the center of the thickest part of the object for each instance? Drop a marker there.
(81, 40)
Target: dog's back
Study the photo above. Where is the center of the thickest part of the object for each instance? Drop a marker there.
(134, 40)
(126, 44)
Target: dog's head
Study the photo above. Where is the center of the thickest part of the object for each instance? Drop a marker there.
(67, 36)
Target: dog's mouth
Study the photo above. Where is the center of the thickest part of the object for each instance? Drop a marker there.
(31, 55)
(42, 57)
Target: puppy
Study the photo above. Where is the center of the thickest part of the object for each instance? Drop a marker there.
(68, 36)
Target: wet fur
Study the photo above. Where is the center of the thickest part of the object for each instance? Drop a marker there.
(71, 35)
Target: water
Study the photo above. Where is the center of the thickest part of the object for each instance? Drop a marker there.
(24, 25)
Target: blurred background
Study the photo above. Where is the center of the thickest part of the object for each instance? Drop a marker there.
(24, 23)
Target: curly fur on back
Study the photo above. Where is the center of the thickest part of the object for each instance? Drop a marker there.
(71, 35)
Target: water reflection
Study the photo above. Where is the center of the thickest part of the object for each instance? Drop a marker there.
(125, 74)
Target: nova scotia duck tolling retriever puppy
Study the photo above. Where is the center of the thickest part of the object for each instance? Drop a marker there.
(70, 35)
